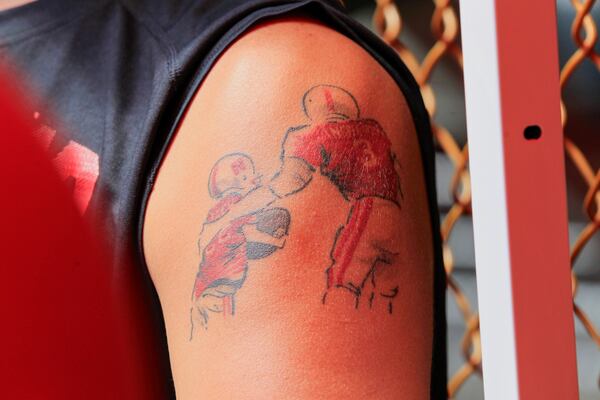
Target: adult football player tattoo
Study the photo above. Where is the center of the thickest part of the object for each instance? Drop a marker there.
(224, 258)
(355, 156)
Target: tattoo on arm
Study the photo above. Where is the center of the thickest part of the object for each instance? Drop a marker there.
(356, 157)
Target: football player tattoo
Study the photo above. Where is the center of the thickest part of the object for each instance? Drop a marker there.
(224, 258)
(356, 157)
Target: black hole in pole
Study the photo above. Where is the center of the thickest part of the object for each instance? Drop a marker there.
(532, 132)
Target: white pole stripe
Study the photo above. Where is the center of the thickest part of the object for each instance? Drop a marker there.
(484, 123)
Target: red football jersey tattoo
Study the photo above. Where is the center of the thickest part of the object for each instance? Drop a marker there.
(224, 258)
(355, 154)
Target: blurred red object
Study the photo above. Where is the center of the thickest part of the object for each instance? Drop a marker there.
(71, 327)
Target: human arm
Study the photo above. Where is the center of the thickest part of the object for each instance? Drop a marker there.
(283, 342)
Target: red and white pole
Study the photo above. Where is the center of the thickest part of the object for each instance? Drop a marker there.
(519, 199)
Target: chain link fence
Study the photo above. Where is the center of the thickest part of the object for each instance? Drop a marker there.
(444, 23)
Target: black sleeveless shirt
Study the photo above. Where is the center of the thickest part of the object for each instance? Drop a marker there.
(118, 75)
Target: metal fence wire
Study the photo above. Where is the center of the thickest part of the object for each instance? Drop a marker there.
(444, 23)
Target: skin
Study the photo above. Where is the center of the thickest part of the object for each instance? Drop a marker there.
(8, 4)
(283, 342)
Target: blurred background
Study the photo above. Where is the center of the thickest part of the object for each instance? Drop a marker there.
(427, 36)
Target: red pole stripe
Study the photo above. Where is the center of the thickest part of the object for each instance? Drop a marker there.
(536, 199)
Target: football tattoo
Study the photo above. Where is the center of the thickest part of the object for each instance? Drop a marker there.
(355, 155)
(224, 259)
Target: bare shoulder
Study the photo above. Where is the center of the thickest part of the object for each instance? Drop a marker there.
(288, 228)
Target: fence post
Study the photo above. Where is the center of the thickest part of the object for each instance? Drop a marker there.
(519, 199)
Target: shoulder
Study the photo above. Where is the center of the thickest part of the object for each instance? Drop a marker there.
(293, 46)
(278, 61)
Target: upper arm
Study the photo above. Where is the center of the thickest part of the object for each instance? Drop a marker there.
(344, 306)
